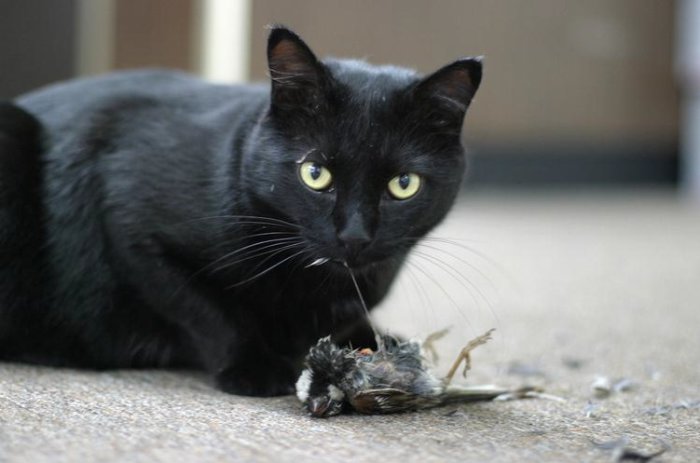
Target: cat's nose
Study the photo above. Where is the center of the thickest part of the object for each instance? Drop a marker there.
(354, 238)
(355, 235)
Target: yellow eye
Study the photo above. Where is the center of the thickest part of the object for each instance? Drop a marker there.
(404, 186)
(315, 176)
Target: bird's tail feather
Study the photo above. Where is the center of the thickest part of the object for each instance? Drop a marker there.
(460, 394)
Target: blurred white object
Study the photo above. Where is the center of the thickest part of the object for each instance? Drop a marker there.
(688, 70)
(94, 36)
(601, 386)
(224, 40)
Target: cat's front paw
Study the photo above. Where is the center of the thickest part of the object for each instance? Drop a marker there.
(258, 378)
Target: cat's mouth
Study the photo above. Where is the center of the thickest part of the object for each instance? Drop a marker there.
(357, 258)
(334, 262)
(341, 264)
(319, 261)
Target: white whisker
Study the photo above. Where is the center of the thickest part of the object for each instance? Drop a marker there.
(270, 252)
(377, 338)
(258, 275)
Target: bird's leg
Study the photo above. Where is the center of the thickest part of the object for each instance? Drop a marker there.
(428, 344)
(465, 356)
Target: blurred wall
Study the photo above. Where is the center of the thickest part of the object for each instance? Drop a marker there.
(153, 33)
(554, 69)
(36, 44)
(572, 90)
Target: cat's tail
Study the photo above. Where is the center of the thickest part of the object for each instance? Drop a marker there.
(18, 128)
(20, 152)
(21, 225)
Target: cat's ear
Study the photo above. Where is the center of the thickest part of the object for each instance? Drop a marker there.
(297, 75)
(444, 96)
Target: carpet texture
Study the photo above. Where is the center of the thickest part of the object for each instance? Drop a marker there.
(577, 287)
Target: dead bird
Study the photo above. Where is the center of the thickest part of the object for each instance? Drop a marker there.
(393, 379)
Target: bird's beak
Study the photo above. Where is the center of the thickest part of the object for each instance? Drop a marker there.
(317, 407)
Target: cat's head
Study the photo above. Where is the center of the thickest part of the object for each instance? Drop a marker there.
(364, 159)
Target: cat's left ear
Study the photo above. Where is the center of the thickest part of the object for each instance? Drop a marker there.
(298, 77)
(444, 96)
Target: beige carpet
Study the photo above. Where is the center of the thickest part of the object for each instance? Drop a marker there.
(576, 286)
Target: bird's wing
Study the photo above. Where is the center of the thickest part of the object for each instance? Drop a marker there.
(390, 400)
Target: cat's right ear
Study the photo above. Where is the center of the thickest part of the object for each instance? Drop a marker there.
(298, 78)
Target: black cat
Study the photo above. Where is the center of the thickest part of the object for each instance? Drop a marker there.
(150, 219)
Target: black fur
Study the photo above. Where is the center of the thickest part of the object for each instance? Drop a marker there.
(134, 207)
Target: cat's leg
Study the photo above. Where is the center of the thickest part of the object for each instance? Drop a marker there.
(227, 339)
(255, 370)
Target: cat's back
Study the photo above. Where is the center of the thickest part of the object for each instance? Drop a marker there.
(64, 105)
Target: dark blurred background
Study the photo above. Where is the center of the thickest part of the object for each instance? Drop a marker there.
(574, 94)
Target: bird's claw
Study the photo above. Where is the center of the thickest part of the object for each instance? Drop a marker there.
(428, 344)
(465, 356)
